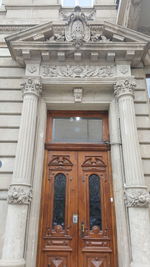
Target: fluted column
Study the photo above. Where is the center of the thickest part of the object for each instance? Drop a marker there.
(137, 198)
(20, 191)
(118, 188)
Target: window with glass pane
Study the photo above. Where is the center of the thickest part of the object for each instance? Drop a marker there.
(95, 201)
(73, 3)
(59, 200)
(77, 130)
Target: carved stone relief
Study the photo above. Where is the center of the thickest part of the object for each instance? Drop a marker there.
(78, 30)
(137, 197)
(77, 71)
(19, 194)
(123, 70)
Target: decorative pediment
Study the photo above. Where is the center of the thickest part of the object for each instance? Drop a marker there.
(77, 38)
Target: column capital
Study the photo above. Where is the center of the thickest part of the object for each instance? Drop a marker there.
(20, 194)
(137, 196)
(31, 86)
(124, 87)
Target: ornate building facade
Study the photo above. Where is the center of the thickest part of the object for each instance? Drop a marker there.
(74, 133)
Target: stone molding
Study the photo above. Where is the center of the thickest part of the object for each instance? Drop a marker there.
(137, 196)
(20, 194)
(32, 86)
(124, 87)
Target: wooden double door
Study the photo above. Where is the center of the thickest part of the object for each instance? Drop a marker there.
(76, 228)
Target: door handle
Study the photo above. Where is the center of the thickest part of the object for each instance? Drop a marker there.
(82, 229)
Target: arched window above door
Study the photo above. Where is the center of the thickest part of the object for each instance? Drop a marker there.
(73, 3)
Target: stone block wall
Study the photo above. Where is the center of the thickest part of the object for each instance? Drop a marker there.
(10, 114)
(142, 109)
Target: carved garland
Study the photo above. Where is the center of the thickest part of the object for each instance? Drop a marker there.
(77, 71)
(137, 197)
(19, 194)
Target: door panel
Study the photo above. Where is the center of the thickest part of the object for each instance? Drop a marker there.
(94, 209)
(76, 213)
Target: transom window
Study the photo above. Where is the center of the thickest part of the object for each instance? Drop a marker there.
(73, 3)
(77, 127)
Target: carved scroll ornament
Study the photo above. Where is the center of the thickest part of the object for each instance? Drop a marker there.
(20, 194)
(77, 30)
(31, 86)
(136, 197)
(124, 87)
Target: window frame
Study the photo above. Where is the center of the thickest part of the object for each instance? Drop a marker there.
(77, 146)
(77, 3)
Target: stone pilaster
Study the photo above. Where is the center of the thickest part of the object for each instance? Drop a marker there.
(118, 188)
(136, 195)
(20, 191)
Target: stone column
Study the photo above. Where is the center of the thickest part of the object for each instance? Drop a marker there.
(136, 194)
(118, 187)
(20, 191)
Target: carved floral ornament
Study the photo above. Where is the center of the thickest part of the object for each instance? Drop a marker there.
(124, 87)
(77, 71)
(31, 86)
(137, 197)
(20, 194)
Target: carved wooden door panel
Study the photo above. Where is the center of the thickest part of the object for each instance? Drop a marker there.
(76, 214)
(58, 236)
(95, 211)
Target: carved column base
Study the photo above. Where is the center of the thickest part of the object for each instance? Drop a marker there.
(18, 263)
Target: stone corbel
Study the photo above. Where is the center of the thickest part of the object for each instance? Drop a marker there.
(20, 194)
(124, 87)
(78, 95)
(137, 196)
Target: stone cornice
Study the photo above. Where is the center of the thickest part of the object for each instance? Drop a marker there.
(95, 43)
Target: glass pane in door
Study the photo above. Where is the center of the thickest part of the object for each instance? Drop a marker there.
(77, 130)
(95, 202)
(59, 200)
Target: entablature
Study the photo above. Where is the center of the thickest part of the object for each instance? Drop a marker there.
(78, 39)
